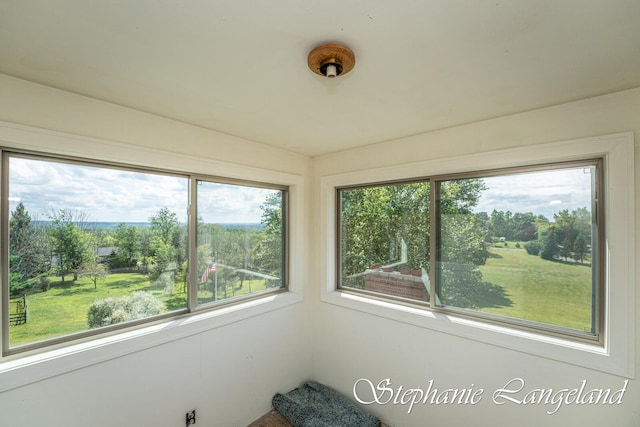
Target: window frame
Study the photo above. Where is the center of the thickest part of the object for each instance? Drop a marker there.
(212, 313)
(598, 275)
(435, 221)
(192, 302)
(615, 353)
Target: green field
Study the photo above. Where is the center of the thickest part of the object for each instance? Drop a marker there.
(529, 288)
(63, 308)
(550, 292)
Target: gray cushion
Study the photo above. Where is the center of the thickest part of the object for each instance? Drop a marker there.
(316, 405)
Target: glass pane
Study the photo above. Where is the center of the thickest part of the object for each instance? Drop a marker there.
(240, 238)
(92, 246)
(384, 239)
(520, 246)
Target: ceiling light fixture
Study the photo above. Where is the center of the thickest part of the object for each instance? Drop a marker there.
(331, 60)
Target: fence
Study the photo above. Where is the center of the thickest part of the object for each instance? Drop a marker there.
(18, 311)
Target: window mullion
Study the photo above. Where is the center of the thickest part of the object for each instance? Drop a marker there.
(4, 252)
(192, 256)
(434, 197)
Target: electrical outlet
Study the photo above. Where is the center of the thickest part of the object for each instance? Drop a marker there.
(191, 417)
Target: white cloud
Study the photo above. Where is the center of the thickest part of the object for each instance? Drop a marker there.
(543, 192)
(220, 203)
(114, 195)
(101, 194)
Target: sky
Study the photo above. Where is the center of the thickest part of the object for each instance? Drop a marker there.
(542, 193)
(112, 195)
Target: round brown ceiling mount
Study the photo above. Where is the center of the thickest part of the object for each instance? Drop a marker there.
(331, 60)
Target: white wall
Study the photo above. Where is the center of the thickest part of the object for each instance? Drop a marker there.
(228, 375)
(351, 344)
(276, 351)
(227, 367)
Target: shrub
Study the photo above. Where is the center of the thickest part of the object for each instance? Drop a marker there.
(532, 247)
(109, 311)
(165, 281)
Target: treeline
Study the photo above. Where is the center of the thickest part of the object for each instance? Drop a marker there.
(567, 238)
(517, 226)
(67, 246)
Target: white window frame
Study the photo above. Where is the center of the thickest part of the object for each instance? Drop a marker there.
(30, 366)
(616, 354)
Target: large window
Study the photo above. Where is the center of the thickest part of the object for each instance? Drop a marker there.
(240, 240)
(516, 246)
(90, 247)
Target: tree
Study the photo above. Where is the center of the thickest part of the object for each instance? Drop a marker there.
(383, 224)
(167, 248)
(165, 225)
(564, 233)
(268, 255)
(128, 242)
(371, 228)
(27, 252)
(582, 227)
(550, 246)
(70, 245)
(501, 224)
(462, 251)
(569, 237)
(460, 196)
(93, 270)
(146, 254)
(377, 222)
(580, 248)
(582, 222)
(522, 226)
(462, 241)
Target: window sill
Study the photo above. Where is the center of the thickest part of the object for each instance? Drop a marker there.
(23, 369)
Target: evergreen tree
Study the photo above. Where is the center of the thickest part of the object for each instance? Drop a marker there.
(580, 248)
(550, 246)
(27, 252)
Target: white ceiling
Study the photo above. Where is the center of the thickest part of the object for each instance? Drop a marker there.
(239, 66)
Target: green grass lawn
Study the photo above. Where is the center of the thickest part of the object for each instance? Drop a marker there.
(63, 308)
(206, 294)
(550, 292)
(531, 288)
